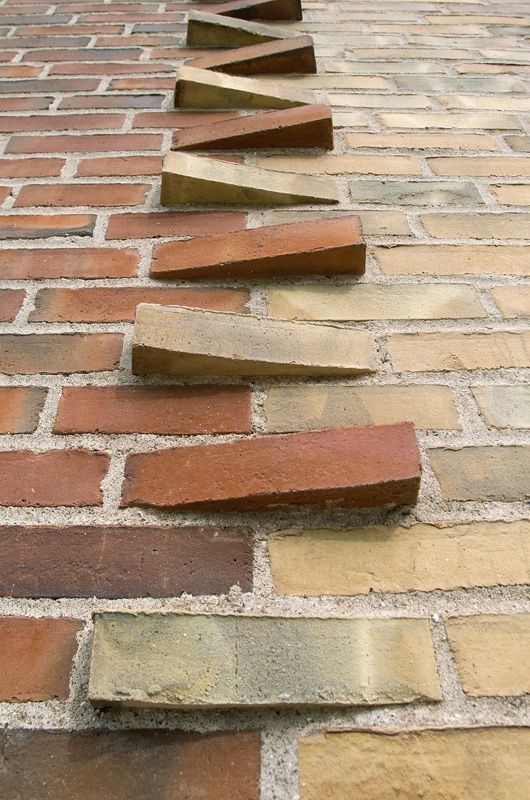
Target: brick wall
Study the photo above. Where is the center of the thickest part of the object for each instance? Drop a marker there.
(430, 105)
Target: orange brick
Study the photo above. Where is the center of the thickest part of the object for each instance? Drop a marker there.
(68, 262)
(86, 194)
(21, 406)
(57, 353)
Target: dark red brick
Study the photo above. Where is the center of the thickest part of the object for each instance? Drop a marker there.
(38, 226)
(61, 122)
(279, 56)
(49, 85)
(181, 119)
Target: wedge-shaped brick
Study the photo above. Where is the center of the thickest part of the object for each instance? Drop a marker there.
(189, 179)
(176, 340)
(202, 88)
(317, 247)
(308, 126)
(213, 661)
(214, 30)
(281, 56)
(366, 466)
(260, 9)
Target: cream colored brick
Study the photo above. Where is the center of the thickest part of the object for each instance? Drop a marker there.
(422, 558)
(506, 56)
(375, 223)
(379, 100)
(441, 259)
(317, 406)
(513, 301)
(477, 226)
(448, 83)
(337, 165)
(366, 301)
(351, 119)
(441, 53)
(483, 103)
(461, 30)
(422, 141)
(383, 67)
(504, 406)
(519, 144)
(512, 194)
(446, 351)
(492, 653)
(478, 19)
(509, 166)
(333, 82)
(451, 121)
(483, 473)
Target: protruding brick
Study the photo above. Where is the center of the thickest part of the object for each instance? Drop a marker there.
(483, 473)
(347, 467)
(316, 247)
(214, 30)
(21, 407)
(176, 340)
(281, 56)
(55, 353)
(139, 660)
(260, 9)
(193, 179)
(306, 126)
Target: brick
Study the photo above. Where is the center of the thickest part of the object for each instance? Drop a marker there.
(451, 121)
(308, 126)
(119, 165)
(18, 71)
(185, 341)
(92, 54)
(87, 194)
(52, 478)
(509, 166)
(366, 301)
(31, 167)
(483, 473)
(420, 193)
(35, 19)
(56, 353)
(193, 179)
(485, 763)
(123, 562)
(337, 165)
(259, 661)
(282, 56)
(449, 54)
(445, 83)
(314, 469)
(50, 85)
(351, 119)
(376, 223)
(513, 301)
(214, 30)
(109, 68)
(512, 194)
(419, 558)
(422, 141)
(482, 103)
(40, 226)
(477, 226)
(485, 19)
(61, 122)
(181, 119)
(454, 351)
(146, 764)
(25, 103)
(260, 9)
(378, 101)
(331, 82)
(379, 68)
(92, 143)
(324, 247)
(36, 656)
(68, 262)
(520, 144)
(453, 260)
(491, 653)
(10, 303)
(112, 101)
(504, 406)
(177, 223)
(21, 407)
(144, 83)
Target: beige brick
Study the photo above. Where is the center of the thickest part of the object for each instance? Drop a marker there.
(472, 763)
(451, 121)
(513, 301)
(461, 30)
(504, 406)
(446, 350)
(509, 166)
(334, 82)
(379, 101)
(483, 473)
(214, 30)
(453, 260)
(506, 56)
(382, 67)
(417, 193)
(351, 119)
(366, 301)
(512, 194)
(337, 165)
(316, 406)
(478, 19)
(188, 661)
(520, 144)
(483, 103)
(375, 223)
(492, 653)
(394, 54)
(477, 226)
(445, 83)
(422, 558)
(422, 141)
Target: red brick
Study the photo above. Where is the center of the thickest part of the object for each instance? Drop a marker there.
(362, 466)
(174, 223)
(120, 165)
(36, 656)
(10, 303)
(279, 56)
(37, 226)
(112, 101)
(19, 71)
(92, 143)
(21, 407)
(180, 119)
(45, 85)
(61, 122)
(45, 41)
(86, 194)
(31, 167)
(141, 83)
(106, 69)
(93, 54)
(57, 353)
(154, 16)
(259, 9)
(68, 262)
(41, 19)
(52, 478)
(25, 103)
(67, 30)
(5, 192)
(315, 247)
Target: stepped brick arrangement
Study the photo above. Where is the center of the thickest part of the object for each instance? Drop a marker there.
(214, 417)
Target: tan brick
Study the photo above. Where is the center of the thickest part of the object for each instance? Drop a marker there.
(513, 301)
(415, 53)
(477, 226)
(453, 260)
(422, 141)
(509, 166)
(450, 83)
(483, 473)
(504, 406)
(482, 103)
(375, 223)
(417, 193)
(351, 119)
(520, 144)
(480, 19)
(138, 660)
(451, 121)
(337, 165)
(492, 653)
(422, 558)
(512, 194)
(446, 350)
(383, 101)
(333, 82)
(473, 763)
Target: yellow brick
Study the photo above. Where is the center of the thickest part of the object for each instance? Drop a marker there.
(422, 141)
(504, 406)
(479, 19)
(374, 223)
(453, 260)
(446, 351)
(379, 101)
(512, 194)
(451, 121)
(483, 473)
(477, 226)
(512, 301)
(483, 103)
(449, 54)
(510, 166)
(337, 165)
(334, 82)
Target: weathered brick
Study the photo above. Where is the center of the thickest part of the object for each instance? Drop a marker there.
(259, 661)
(66, 262)
(454, 351)
(214, 30)
(260, 9)
(513, 301)
(176, 223)
(25, 103)
(504, 406)
(520, 144)
(31, 167)
(453, 260)
(91, 143)
(39, 226)
(322, 247)
(61, 122)
(512, 194)
(21, 407)
(52, 478)
(492, 103)
(337, 165)
(125, 194)
(491, 653)
(421, 558)
(36, 656)
(419, 193)
(116, 562)
(10, 303)
(503, 166)
(483, 473)
(55, 353)
(450, 83)
(119, 165)
(422, 141)
(451, 121)
(477, 226)
(376, 223)
(281, 56)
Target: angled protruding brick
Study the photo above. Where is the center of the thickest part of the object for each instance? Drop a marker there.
(281, 56)
(316, 247)
(365, 466)
(176, 340)
(306, 126)
(202, 88)
(189, 179)
(213, 30)
(260, 9)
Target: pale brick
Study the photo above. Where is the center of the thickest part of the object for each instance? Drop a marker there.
(396, 54)
(512, 194)
(422, 141)
(504, 406)
(379, 101)
(453, 260)
(513, 301)
(333, 82)
(375, 223)
(483, 103)
(506, 56)
(483, 473)
(480, 19)
(420, 193)
(351, 119)
(214, 30)
(477, 226)
(502, 166)
(520, 144)
(446, 350)
(451, 121)
(382, 67)
(337, 165)
(445, 83)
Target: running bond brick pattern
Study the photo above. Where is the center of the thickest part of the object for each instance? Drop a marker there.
(432, 149)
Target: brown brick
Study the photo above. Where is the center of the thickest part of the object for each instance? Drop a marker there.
(36, 656)
(87, 194)
(260, 9)
(281, 56)
(61, 122)
(316, 247)
(52, 478)
(10, 303)
(19, 71)
(119, 165)
(483, 473)
(21, 407)
(216, 30)
(68, 262)
(455, 351)
(56, 353)
(126, 84)
(91, 143)
(293, 469)
(108, 68)
(176, 223)
(25, 103)
(31, 167)
(50, 85)
(92, 54)
(118, 562)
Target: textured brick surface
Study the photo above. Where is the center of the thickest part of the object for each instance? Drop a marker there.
(483, 473)
(285, 55)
